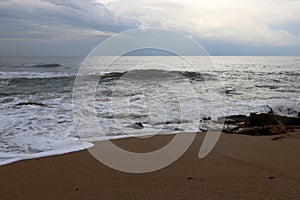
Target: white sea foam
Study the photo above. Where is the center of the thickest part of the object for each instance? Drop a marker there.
(286, 107)
(32, 75)
(7, 158)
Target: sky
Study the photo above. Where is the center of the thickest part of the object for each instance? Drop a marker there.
(222, 27)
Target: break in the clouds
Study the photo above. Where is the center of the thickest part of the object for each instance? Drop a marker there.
(75, 26)
(262, 23)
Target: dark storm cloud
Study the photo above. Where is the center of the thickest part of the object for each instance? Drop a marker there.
(56, 27)
(44, 19)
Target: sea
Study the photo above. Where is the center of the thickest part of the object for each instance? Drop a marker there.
(135, 96)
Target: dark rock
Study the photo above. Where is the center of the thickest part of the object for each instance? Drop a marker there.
(30, 103)
(271, 110)
(137, 125)
(242, 124)
(262, 119)
(234, 119)
(257, 124)
(276, 122)
(206, 118)
(273, 129)
(48, 65)
(249, 131)
(178, 129)
(293, 121)
(230, 128)
(292, 128)
(189, 178)
(263, 130)
(203, 130)
(175, 121)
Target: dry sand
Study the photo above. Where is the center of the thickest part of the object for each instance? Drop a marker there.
(239, 167)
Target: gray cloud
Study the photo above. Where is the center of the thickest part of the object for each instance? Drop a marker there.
(56, 27)
(34, 27)
(49, 18)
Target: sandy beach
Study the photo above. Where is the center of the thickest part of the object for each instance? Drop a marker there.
(126, 100)
(239, 167)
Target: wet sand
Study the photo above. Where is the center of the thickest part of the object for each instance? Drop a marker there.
(239, 167)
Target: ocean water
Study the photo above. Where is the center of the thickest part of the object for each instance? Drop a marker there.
(165, 94)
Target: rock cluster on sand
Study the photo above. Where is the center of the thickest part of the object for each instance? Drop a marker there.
(259, 124)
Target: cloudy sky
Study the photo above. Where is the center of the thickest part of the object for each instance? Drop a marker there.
(223, 27)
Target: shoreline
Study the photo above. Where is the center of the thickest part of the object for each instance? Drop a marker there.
(84, 145)
(239, 167)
